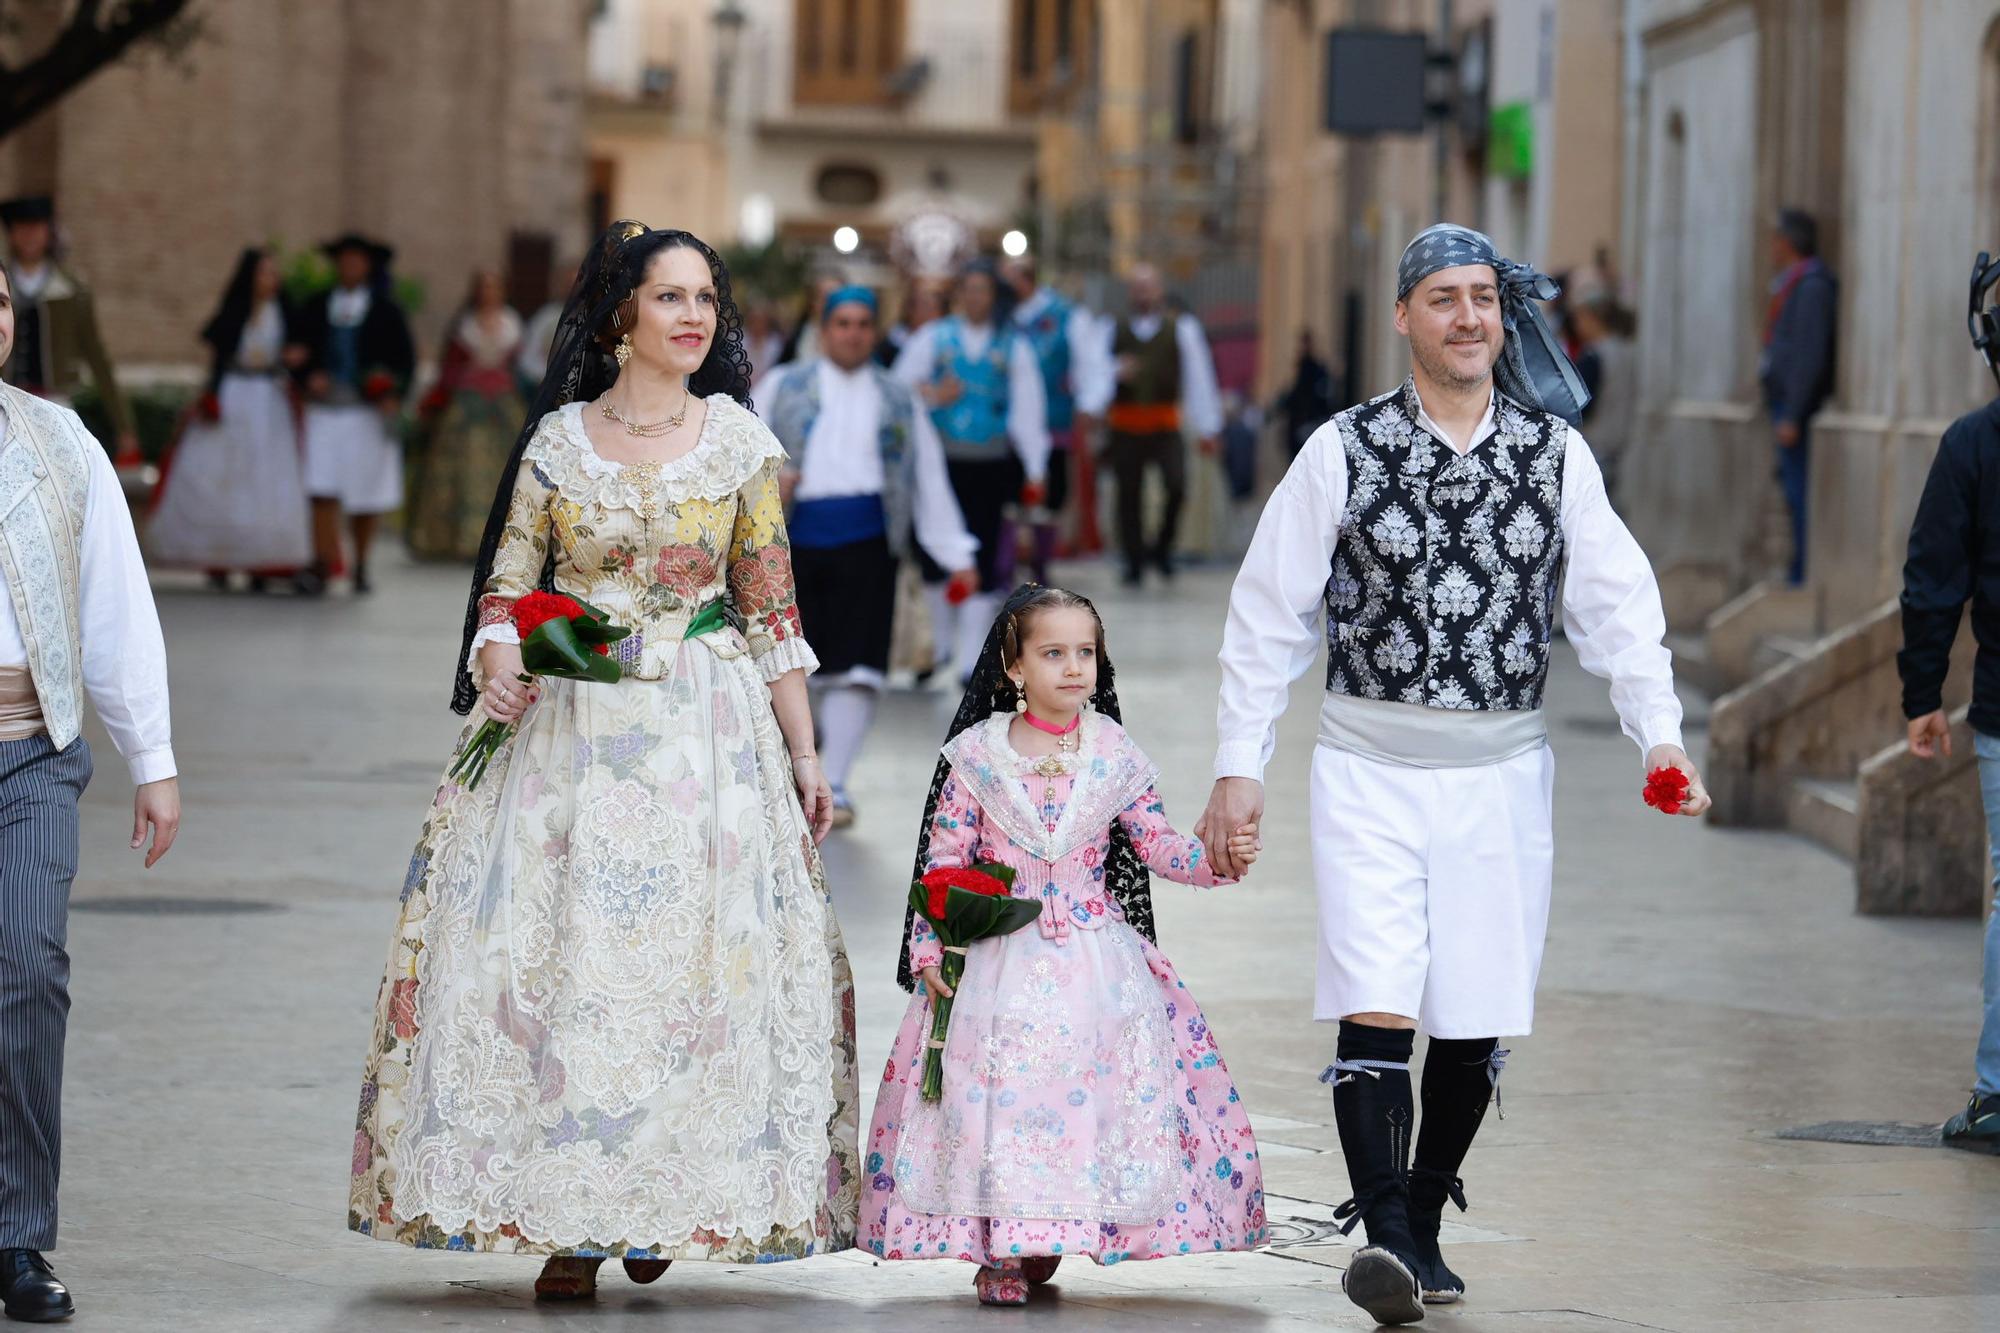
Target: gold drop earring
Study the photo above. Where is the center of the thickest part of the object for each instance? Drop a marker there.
(623, 352)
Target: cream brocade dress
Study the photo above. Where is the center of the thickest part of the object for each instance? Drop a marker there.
(617, 1016)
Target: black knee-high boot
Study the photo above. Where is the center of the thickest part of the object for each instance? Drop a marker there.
(1459, 1078)
(1373, 1109)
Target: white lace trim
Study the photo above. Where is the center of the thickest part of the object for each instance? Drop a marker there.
(498, 632)
(1109, 773)
(733, 444)
(793, 654)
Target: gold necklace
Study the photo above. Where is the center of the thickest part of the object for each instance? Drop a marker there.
(647, 430)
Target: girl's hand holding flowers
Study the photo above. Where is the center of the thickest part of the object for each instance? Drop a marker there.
(934, 983)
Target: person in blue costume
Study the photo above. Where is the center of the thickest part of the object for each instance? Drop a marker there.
(867, 487)
(982, 385)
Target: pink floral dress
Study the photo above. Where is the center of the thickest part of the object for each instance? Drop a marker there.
(1086, 1109)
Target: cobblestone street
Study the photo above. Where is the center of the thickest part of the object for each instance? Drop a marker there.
(1704, 990)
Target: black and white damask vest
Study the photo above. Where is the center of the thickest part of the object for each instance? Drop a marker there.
(1445, 576)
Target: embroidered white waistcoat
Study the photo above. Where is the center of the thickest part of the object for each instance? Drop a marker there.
(44, 486)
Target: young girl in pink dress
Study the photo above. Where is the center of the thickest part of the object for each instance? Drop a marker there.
(1086, 1110)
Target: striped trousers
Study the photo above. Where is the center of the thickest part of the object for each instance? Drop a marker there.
(39, 790)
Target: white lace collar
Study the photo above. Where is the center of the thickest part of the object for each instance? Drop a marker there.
(1108, 773)
(733, 444)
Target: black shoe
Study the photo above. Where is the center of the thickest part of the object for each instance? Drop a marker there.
(259, 584)
(1428, 1193)
(29, 1288)
(1382, 1283)
(1133, 576)
(218, 580)
(310, 581)
(362, 587)
(1164, 562)
(1977, 1127)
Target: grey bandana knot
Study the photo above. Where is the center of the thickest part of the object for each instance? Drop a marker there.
(1532, 369)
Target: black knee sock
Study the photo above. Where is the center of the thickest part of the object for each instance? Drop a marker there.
(1459, 1078)
(1372, 1108)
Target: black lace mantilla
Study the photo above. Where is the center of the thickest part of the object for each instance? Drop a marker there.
(991, 692)
(581, 368)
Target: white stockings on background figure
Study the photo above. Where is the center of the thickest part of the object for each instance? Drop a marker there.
(975, 618)
(845, 714)
(944, 617)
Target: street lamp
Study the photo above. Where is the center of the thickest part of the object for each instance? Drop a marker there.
(1014, 244)
(846, 240)
(730, 19)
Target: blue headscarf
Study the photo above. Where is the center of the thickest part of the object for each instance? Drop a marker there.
(862, 295)
(1532, 369)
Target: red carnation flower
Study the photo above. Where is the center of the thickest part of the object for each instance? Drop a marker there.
(379, 385)
(208, 407)
(1666, 790)
(538, 608)
(940, 882)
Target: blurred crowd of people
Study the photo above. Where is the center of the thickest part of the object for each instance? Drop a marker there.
(306, 431)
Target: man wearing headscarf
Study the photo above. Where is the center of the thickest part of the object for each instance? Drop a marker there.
(867, 487)
(979, 377)
(1429, 529)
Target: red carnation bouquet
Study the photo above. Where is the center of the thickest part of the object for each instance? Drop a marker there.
(1666, 790)
(560, 636)
(378, 386)
(963, 906)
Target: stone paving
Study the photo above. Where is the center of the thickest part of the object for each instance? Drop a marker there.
(1704, 990)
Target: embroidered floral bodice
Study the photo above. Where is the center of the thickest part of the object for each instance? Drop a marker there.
(653, 543)
(1055, 831)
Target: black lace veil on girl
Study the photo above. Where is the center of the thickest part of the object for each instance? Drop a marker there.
(581, 367)
(990, 692)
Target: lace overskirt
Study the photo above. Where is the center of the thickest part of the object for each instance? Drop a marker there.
(617, 1015)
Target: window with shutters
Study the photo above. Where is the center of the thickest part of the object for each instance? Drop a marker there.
(1051, 51)
(845, 51)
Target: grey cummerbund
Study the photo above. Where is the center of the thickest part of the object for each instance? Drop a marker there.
(1419, 737)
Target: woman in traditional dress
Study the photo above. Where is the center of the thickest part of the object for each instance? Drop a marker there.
(471, 418)
(617, 1019)
(234, 497)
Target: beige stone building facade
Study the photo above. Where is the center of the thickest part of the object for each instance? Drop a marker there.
(1879, 116)
(453, 129)
(1338, 210)
(760, 119)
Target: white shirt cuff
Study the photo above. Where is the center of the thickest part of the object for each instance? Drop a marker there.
(1240, 759)
(501, 631)
(152, 766)
(1661, 730)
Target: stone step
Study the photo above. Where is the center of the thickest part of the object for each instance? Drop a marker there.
(1779, 650)
(1826, 810)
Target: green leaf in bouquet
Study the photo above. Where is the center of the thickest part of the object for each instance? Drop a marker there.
(553, 649)
(1015, 913)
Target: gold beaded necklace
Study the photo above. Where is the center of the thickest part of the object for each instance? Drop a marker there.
(647, 430)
